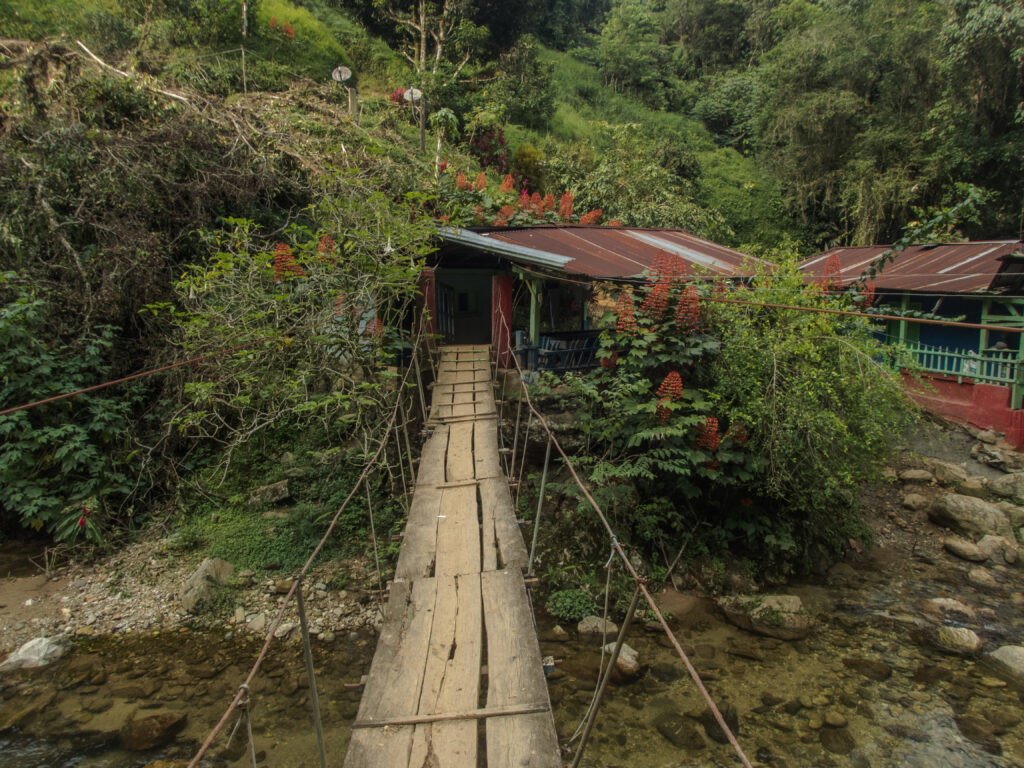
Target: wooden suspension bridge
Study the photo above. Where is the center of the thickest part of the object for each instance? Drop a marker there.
(456, 680)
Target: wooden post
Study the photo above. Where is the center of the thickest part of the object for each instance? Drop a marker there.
(423, 124)
(353, 102)
(534, 286)
(904, 305)
(308, 654)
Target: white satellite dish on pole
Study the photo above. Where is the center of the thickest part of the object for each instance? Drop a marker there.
(341, 74)
(413, 95)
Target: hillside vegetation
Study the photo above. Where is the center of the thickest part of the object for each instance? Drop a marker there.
(183, 177)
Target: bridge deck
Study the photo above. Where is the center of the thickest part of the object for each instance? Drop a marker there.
(458, 647)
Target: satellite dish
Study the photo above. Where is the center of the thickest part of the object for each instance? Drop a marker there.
(341, 74)
(413, 95)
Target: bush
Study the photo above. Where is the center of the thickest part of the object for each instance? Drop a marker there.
(570, 605)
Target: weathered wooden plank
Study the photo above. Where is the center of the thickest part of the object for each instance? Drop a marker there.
(451, 682)
(458, 532)
(485, 448)
(489, 550)
(496, 504)
(398, 664)
(515, 677)
(459, 463)
(419, 548)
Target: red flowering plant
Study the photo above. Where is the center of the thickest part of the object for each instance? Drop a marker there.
(749, 427)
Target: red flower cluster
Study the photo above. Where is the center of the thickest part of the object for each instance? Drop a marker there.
(709, 436)
(627, 321)
(397, 96)
(508, 184)
(548, 203)
(565, 206)
(285, 264)
(662, 413)
(592, 217)
(504, 216)
(672, 386)
(375, 327)
(481, 182)
(478, 214)
(656, 302)
(273, 22)
(288, 31)
(869, 293)
(461, 182)
(442, 166)
(688, 308)
(85, 516)
(325, 246)
(832, 278)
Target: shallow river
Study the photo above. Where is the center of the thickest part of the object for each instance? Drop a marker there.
(866, 688)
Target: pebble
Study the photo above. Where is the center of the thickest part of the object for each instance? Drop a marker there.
(835, 719)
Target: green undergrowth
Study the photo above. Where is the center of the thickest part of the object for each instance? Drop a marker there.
(220, 519)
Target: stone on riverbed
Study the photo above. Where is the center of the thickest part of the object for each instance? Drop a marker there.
(915, 502)
(152, 732)
(713, 729)
(948, 473)
(678, 732)
(627, 666)
(943, 608)
(920, 476)
(964, 549)
(872, 668)
(958, 640)
(999, 549)
(1009, 661)
(969, 515)
(781, 616)
(36, 653)
(202, 584)
(595, 626)
(980, 577)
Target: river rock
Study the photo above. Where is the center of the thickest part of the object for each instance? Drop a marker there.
(202, 584)
(283, 630)
(36, 653)
(167, 764)
(980, 731)
(915, 502)
(964, 549)
(969, 515)
(837, 740)
(713, 729)
(981, 577)
(678, 732)
(18, 712)
(595, 626)
(1009, 660)
(781, 616)
(269, 494)
(1013, 512)
(1009, 486)
(555, 635)
(974, 485)
(257, 623)
(999, 549)
(627, 666)
(944, 608)
(872, 668)
(917, 476)
(151, 732)
(958, 640)
(948, 473)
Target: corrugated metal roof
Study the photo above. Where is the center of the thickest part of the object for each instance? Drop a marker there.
(615, 252)
(975, 267)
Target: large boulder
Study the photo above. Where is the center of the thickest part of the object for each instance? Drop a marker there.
(627, 665)
(151, 732)
(1009, 486)
(36, 653)
(202, 584)
(1009, 661)
(969, 515)
(781, 616)
(596, 627)
(269, 494)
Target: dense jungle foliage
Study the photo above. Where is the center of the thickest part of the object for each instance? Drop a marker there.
(177, 178)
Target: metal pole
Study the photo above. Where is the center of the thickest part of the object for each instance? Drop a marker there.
(540, 504)
(314, 699)
(592, 716)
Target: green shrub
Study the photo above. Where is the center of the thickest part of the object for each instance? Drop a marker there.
(570, 605)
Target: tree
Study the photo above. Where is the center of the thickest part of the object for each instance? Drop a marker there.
(439, 36)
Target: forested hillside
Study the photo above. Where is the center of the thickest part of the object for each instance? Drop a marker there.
(168, 166)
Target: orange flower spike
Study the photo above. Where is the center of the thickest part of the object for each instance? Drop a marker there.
(688, 308)
(273, 22)
(460, 181)
(671, 387)
(481, 182)
(709, 436)
(548, 203)
(592, 217)
(565, 206)
(627, 320)
(288, 31)
(663, 412)
(508, 184)
(656, 303)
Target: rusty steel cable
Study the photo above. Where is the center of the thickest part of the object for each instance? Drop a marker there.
(302, 573)
(641, 585)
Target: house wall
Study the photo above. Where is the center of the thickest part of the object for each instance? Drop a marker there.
(986, 406)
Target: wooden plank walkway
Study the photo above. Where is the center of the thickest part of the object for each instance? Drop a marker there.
(456, 681)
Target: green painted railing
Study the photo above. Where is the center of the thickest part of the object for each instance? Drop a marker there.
(1002, 367)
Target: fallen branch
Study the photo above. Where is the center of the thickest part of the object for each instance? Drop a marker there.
(129, 76)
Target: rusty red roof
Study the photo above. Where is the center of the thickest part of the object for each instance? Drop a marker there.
(974, 267)
(617, 252)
